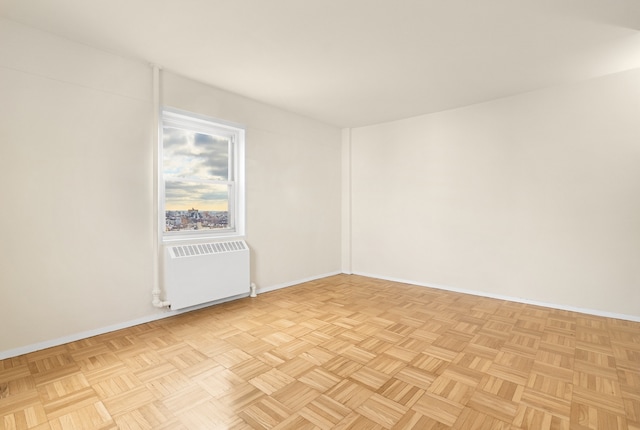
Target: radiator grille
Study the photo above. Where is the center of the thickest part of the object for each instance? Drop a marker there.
(206, 272)
(182, 251)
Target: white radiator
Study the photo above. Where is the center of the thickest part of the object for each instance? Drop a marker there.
(205, 272)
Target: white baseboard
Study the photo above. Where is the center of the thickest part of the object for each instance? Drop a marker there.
(169, 313)
(149, 318)
(292, 283)
(77, 336)
(507, 298)
(102, 330)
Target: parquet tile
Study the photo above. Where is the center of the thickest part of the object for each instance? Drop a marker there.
(349, 393)
(355, 421)
(438, 408)
(471, 419)
(382, 410)
(344, 352)
(451, 389)
(265, 414)
(500, 408)
(324, 412)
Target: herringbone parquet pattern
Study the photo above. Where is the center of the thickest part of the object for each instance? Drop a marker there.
(345, 352)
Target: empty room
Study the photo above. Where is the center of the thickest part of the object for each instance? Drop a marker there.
(283, 214)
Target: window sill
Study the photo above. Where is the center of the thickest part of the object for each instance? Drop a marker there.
(202, 238)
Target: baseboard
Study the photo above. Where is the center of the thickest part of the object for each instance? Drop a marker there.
(169, 313)
(586, 311)
(146, 319)
(292, 283)
(108, 329)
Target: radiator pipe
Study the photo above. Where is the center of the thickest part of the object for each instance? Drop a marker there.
(157, 302)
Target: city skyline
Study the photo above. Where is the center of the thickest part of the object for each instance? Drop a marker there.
(194, 219)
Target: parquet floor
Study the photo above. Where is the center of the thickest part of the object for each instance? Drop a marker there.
(345, 352)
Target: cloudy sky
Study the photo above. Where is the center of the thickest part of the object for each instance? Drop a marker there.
(193, 163)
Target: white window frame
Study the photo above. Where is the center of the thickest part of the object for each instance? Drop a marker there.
(177, 118)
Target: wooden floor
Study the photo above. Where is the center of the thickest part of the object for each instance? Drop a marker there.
(344, 352)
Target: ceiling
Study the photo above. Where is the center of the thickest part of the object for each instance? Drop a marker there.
(357, 62)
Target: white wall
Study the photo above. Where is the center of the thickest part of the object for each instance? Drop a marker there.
(292, 179)
(534, 197)
(76, 253)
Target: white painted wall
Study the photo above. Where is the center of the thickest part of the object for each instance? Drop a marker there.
(76, 188)
(533, 197)
(293, 183)
(75, 169)
(346, 201)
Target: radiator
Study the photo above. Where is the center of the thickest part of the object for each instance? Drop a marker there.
(205, 272)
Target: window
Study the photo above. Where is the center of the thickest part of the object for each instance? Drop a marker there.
(202, 176)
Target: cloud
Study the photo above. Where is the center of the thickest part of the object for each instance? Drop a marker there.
(186, 195)
(187, 154)
(214, 154)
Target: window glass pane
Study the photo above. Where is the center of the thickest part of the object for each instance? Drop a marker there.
(200, 176)
(188, 154)
(196, 206)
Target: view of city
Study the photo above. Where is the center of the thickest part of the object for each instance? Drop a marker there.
(193, 219)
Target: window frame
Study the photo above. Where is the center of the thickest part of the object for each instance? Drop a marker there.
(177, 118)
